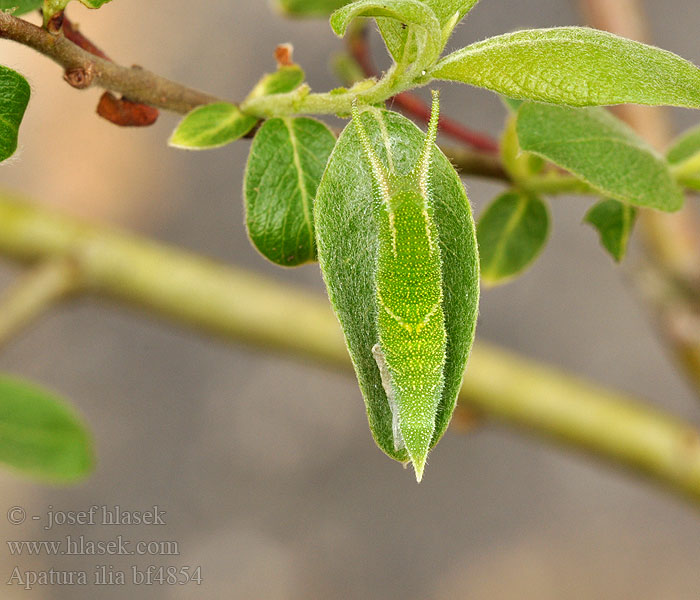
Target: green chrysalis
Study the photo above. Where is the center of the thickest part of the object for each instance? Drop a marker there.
(397, 249)
(410, 321)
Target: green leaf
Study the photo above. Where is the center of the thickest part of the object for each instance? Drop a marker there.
(686, 146)
(511, 104)
(448, 12)
(396, 19)
(614, 221)
(348, 239)
(42, 435)
(602, 151)
(211, 126)
(310, 8)
(684, 157)
(287, 159)
(574, 66)
(286, 79)
(14, 97)
(51, 7)
(20, 7)
(512, 232)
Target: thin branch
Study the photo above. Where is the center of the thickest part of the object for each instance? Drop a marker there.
(241, 306)
(35, 292)
(671, 241)
(83, 69)
(412, 105)
(473, 162)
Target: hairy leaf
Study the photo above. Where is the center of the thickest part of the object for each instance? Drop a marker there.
(211, 126)
(602, 151)
(286, 79)
(614, 221)
(575, 66)
(20, 7)
(14, 97)
(424, 43)
(286, 161)
(512, 232)
(448, 12)
(348, 239)
(41, 435)
(310, 8)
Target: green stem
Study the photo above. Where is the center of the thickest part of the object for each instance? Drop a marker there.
(241, 306)
(329, 103)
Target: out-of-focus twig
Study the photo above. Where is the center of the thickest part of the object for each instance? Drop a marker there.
(34, 293)
(241, 306)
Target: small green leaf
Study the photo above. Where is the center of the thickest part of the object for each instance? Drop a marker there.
(211, 126)
(614, 221)
(41, 435)
(396, 19)
(512, 232)
(684, 147)
(14, 97)
(287, 159)
(286, 79)
(348, 216)
(20, 7)
(574, 66)
(602, 151)
(511, 103)
(684, 157)
(310, 8)
(448, 12)
(52, 7)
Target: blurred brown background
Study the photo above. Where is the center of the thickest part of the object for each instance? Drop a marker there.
(266, 466)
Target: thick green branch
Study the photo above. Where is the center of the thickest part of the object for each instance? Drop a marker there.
(241, 306)
(34, 293)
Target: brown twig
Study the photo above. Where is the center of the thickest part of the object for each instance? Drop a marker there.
(412, 105)
(84, 69)
(120, 111)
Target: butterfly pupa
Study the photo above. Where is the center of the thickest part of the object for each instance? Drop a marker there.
(397, 249)
(410, 349)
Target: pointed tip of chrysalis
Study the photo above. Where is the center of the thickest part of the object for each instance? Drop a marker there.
(417, 445)
(419, 467)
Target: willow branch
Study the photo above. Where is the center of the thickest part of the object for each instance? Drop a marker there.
(240, 306)
(83, 69)
(671, 283)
